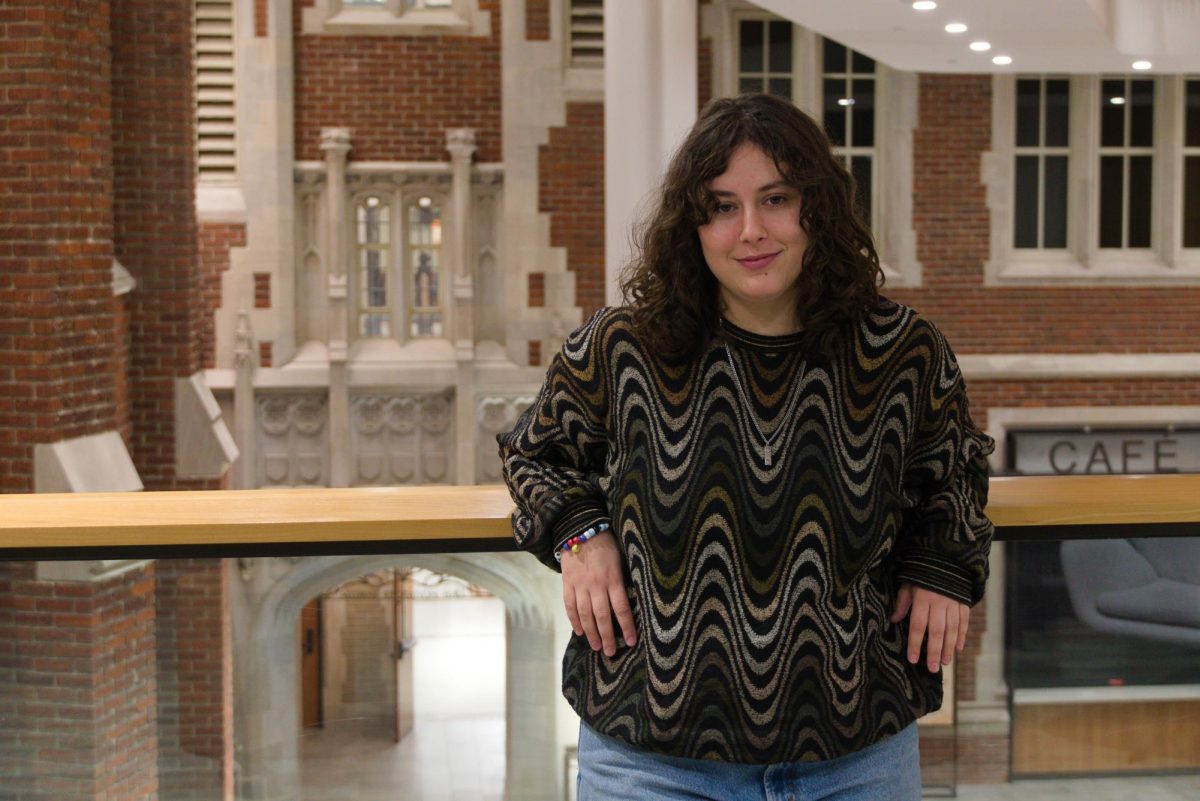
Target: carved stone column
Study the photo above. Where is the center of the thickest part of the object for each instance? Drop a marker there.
(245, 362)
(335, 142)
(461, 144)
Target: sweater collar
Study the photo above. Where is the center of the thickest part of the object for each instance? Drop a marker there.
(749, 339)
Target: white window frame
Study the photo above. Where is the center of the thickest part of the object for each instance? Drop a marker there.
(1185, 152)
(1041, 151)
(387, 200)
(408, 201)
(896, 95)
(1083, 262)
(341, 18)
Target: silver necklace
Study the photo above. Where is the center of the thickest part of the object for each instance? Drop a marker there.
(768, 442)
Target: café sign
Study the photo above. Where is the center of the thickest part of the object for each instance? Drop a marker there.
(1106, 451)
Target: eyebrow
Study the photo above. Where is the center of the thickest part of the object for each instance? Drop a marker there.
(769, 187)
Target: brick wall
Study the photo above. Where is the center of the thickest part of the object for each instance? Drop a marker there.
(952, 227)
(155, 220)
(56, 216)
(398, 94)
(571, 191)
(215, 241)
(537, 19)
(77, 687)
(195, 692)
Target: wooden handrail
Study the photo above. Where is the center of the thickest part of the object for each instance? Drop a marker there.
(479, 515)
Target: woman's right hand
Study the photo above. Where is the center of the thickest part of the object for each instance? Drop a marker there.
(594, 590)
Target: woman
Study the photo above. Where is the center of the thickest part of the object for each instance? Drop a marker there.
(763, 476)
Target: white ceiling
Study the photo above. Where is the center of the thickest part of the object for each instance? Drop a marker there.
(1039, 35)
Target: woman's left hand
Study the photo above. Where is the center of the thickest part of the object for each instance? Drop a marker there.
(943, 619)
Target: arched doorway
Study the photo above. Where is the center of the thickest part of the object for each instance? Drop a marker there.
(267, 602)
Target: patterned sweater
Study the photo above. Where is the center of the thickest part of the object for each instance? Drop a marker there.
(761, 594)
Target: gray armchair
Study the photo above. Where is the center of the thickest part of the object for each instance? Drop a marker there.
(1144, 587)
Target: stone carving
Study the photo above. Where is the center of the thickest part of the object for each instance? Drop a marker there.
(402, 439)
(292, 442)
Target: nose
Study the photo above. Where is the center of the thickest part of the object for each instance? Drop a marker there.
(752, 225)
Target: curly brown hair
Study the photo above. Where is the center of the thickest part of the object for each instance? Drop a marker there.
(673, 294)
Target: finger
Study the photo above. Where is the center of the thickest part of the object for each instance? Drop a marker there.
(620, 607)
(950, 634)
(917, 621)
(903, 602)
(603, 614)
(964, 619)
(572, 614)
(583, 604)
(936, 631)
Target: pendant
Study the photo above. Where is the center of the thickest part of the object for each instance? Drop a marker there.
(767, 455)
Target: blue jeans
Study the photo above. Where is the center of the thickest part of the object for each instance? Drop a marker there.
(610, 770)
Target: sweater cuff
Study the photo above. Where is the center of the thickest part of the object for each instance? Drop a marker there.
(934, 571)
(578, 517)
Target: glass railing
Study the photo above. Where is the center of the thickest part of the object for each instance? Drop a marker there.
(389, 643)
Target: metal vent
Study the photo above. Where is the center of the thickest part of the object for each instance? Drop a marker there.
(587, 33)
(216, 132)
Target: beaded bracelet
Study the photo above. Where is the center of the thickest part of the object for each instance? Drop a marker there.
(573, 543)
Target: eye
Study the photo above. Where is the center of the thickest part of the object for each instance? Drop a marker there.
(723, 208)
(776, 200)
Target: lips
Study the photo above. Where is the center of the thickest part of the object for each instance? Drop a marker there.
(758, 261)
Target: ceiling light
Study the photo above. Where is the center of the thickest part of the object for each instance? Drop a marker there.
(845, 101)
(956, 27)
(1142, 65)
(980, 47)
(1117, 101)
(1002, 61)
(425, 202)
(924, 5)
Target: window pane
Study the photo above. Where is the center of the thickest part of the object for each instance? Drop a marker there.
(425, 283)
(1191, 202)
(1054, 202)
(835, 113)
(863, 64)
(779, 49)
(1058, 103)
(1112, 180)
(752, 46)
(860, 168)
(374, 325)
(750, 85)
(1140, 180)
(1141, 109)
(1112, 115)
(781, 87)
(863, 113)
(1193, 114)
(1029, 93)
(835, 57)
(1025, 211)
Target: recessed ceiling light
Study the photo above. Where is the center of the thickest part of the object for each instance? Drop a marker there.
(980, 47)
(1117, 101)
(924, 5)
(1002, 61)
(956, 27)
(1142, 65)
(845, 101)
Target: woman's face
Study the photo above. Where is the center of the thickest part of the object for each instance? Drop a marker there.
(754, 243)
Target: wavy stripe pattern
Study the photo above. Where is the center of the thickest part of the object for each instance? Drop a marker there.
(761, 594)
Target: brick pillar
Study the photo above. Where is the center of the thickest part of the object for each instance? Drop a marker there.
(77, 686)
(195, 680)
(57, 311)
(155, 221)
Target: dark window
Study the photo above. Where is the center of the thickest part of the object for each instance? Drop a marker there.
(1054, 203)
(751, 46)
(1112, 186)
(1191, 202)
(1025, 218)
